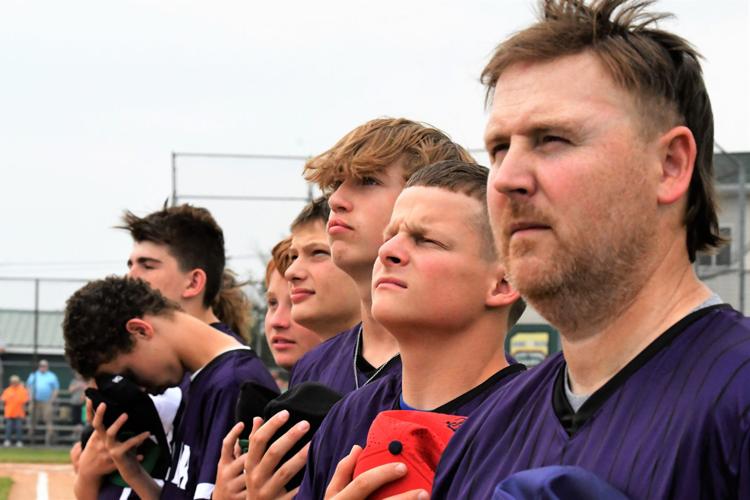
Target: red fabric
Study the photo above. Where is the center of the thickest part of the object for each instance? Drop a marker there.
(422, 437)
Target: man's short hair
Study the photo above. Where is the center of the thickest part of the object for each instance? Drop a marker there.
(280, 259)
(379, 143)
(192, 237)
(469, 179)
(315, 211)
(94, 326)
(659, 69)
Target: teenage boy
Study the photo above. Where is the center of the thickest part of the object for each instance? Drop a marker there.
(324, 298)
(441, 291)
(287, 339)
(123, 326)
(364, 173)
(601, 194)
(180, 252)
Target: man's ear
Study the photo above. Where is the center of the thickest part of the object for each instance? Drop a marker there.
(139, 328)
(196, 285)
(677, 152)
(501, 293)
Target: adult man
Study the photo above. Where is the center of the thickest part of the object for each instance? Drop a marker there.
(600, 196)
(440, 289)
(43, 386)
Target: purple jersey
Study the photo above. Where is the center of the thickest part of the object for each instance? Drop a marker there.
(333, 363)
(111, 491)
(207, 416)
(673, 423)
(349, 421)
(224, 328)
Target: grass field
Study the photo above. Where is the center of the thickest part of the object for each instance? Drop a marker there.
(5, 484)
(34, 456)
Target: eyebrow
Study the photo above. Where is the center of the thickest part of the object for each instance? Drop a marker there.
(144, 260)
(569, 125)
(411, 227)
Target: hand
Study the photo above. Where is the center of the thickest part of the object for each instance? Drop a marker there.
(230, 483)
(342, 487)
(263, 480)
(123, 453)
(95, 461)
(75, 455)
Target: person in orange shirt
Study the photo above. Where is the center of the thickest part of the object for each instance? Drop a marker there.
(14, 397)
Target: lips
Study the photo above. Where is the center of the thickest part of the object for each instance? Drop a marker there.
(527, 226)
(281, 343)
(387, 282)
(300, 294)
(338, 226)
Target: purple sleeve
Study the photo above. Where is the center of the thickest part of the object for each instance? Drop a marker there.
(743, 473)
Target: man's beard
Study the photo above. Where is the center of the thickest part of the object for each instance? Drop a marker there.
(585, 279)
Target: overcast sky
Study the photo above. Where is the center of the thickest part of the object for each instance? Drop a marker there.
(97, 95)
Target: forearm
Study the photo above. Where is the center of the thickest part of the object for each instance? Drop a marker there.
(144, 485)
(87, 488)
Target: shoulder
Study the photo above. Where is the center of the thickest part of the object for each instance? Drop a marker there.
(331, 347)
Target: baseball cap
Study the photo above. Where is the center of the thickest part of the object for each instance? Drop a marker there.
(556, 482)
(124, 396)
(415, 438)
(310, 401)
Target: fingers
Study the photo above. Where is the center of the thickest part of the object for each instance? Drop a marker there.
(411, 495)
(343, 487)
(276, 450)
(288, 469)
(113, 429)
(98, 421)
(344, 472)
(89, 410)
(227, 445)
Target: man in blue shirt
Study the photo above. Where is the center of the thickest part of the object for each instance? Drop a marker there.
(43, 386)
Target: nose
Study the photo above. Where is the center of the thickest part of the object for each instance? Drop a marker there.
(295, 271)
(512, 173)
(394, 252)
(339, 199)
(282, 316)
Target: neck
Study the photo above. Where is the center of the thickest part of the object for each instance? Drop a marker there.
(331, 327)
(197, 342)
(199, 311)
(454, 364)
(596, 351)
(378, 345)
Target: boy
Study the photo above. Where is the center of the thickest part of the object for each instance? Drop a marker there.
(324, 298)
(123, 326)
(440, 289)
(364, 173)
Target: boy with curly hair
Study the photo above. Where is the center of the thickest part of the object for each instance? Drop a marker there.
(122, 326)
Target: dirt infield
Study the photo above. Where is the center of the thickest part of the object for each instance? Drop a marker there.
(26, 478)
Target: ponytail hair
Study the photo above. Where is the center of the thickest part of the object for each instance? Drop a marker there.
(232, 306)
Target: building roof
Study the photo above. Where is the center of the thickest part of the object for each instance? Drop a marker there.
(17, 331)
(726, 167)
